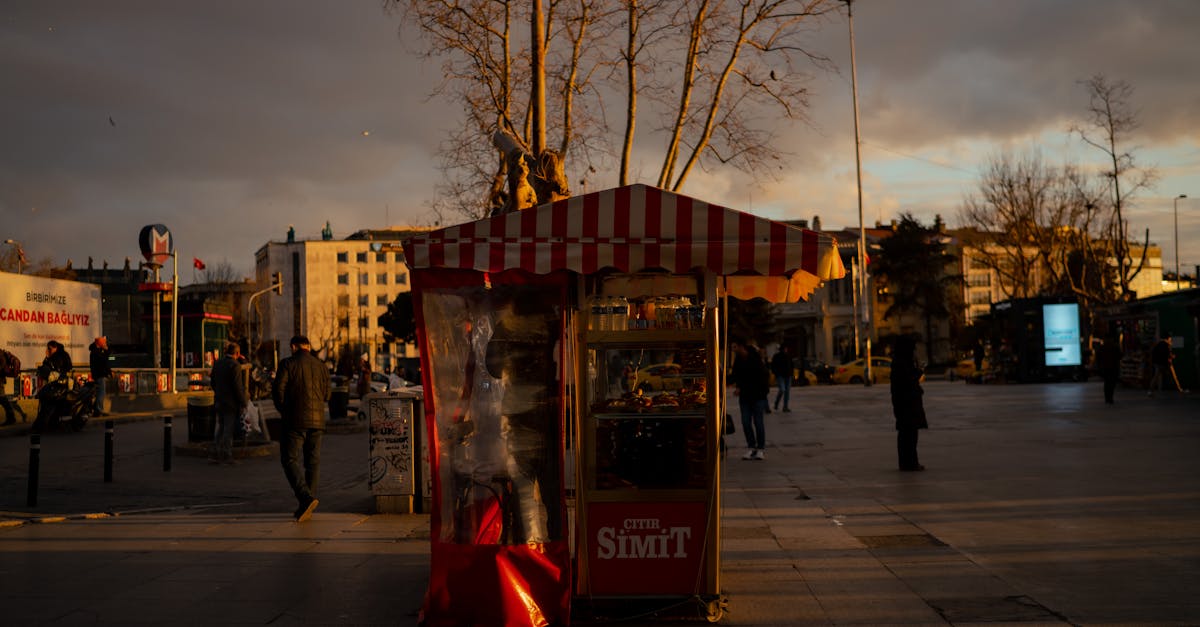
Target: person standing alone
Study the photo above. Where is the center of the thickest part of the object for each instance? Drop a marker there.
(101, 370)
(749, 374)
(907, 405)
(781, 366)
(300, 394)
(230, 398)
(1108, 359)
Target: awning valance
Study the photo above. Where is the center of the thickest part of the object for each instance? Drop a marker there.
(630, 229)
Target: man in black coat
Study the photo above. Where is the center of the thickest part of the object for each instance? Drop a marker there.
(749, 375)
(230, 398)
(907, 405)
(300, 393)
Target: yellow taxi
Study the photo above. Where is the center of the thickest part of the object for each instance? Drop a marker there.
(965, 369)
(852, 372)
(809, 378)
(658, 378)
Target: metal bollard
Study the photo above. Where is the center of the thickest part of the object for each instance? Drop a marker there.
(166, 444)
(35, 455)
(108, 451)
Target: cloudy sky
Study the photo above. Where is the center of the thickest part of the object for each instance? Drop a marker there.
(228, 120)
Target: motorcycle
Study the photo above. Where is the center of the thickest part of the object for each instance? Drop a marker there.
(59, 406)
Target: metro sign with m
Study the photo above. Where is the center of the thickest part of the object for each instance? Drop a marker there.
(155, 243)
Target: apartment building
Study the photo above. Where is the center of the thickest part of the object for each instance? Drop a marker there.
(333, 292)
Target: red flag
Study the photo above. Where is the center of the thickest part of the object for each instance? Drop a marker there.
(197, 264)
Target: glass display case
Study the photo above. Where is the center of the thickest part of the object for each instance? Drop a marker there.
(649, 440)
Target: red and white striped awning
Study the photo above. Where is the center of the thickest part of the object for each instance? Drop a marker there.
(631, 229)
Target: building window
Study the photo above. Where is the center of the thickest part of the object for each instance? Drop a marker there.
(344, 322)
(343, 257)
(381, 278)
(401, 278)
(343, 279)
(381, 300)
(399, 257)
(363, 322)
(364, 279)
(362, 300)
(343, 300)
(381, 257)
(360, 257)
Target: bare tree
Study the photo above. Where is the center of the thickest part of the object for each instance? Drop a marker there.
(1040, 229)
(1110, 122)
(221, 273)
(711, 68)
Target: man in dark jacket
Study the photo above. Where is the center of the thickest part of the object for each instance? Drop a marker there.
(300, 393)
(749, 375)
(56, 371)
(230, 398)
(907, 405)
(101, 370)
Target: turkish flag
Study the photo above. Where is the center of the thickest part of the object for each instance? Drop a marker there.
(197, 264)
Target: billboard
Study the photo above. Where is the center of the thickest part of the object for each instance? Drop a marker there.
(1060, 329)
(35, 310)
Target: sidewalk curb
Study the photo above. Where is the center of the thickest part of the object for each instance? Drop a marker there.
(43, 520)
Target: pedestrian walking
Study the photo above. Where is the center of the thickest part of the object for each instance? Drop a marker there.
(101, 370)
(781, 366)
(1108, 360)
(230, 398)
(300, 394)
(906, 402)
(364, 376)
(750, 380)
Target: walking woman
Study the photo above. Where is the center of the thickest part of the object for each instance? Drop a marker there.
(906, 402)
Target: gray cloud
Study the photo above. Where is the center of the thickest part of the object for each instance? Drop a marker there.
(231, 120)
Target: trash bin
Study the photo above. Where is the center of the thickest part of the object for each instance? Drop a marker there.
(339, 402)
(202, 421)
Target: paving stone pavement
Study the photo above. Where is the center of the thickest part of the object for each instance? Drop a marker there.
(1040, 505)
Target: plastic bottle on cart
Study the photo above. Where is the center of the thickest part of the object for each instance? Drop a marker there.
(595, 317)
(620, 314)
(610, 304)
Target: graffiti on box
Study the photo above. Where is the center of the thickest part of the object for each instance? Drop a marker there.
(391, 457)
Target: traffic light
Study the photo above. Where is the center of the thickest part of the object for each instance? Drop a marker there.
(277, 284)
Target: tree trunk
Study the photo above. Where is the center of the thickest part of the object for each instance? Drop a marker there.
(631, 94)
(537, 64)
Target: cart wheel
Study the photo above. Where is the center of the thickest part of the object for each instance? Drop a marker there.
(716, 609)
(856, 379)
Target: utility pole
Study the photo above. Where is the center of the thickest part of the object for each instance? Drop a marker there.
(864, 300)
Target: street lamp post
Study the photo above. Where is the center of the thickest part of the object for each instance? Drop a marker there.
(862, 322)
(1177, 239)
(20, 253)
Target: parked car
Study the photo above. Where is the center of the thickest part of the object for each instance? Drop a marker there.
(659, 378)
(853, 372)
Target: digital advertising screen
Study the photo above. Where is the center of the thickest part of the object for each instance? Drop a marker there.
(1060, 324)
